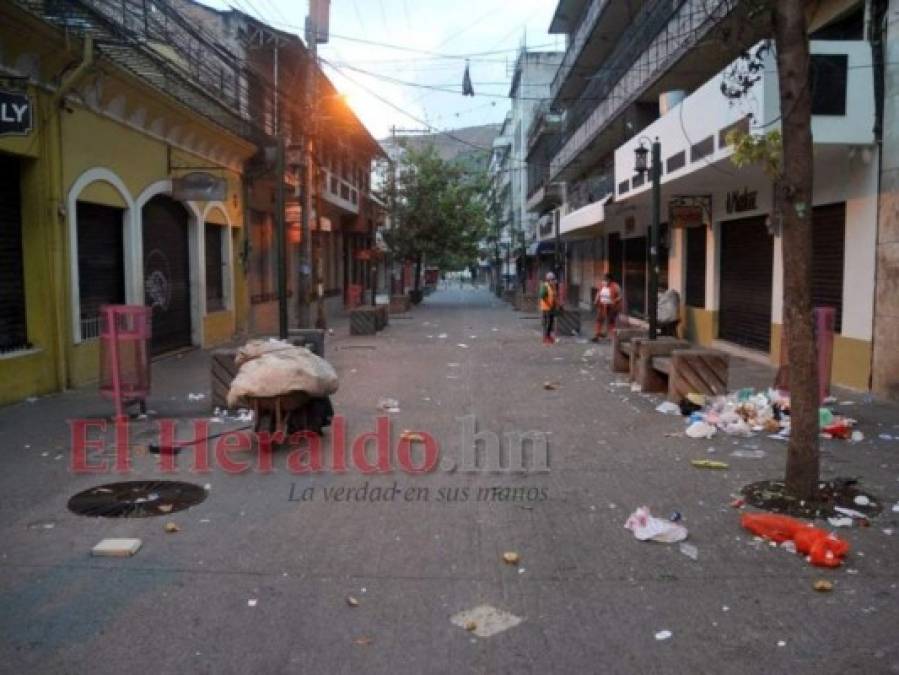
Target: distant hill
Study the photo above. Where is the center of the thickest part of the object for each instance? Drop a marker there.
(456, 145)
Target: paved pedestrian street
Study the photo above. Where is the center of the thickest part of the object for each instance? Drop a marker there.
(404, 572)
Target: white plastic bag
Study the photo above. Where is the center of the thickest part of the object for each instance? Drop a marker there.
(647, 527)
(274, 368)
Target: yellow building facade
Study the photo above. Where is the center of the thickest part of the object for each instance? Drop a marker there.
(97, 201)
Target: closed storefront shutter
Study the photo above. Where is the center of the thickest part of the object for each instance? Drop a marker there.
(828, 247)
(695, 282)
(747, 263)
(167, 273)
(12, 287)
(635, 251)
(101, 269)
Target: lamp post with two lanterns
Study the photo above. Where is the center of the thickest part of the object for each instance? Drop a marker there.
(641, 166)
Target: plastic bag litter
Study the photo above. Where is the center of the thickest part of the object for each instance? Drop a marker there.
(274, 368)
(668, 408)
(647, 527)
(700, 430)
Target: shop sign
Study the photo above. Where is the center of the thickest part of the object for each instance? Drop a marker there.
(15, 114)
(738, 201)
(199, 186)
(689, 211)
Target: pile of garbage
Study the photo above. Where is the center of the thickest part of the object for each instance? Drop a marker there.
(272, 367)
(747, 412)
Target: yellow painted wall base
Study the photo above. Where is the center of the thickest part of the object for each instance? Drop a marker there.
(24, 375)
(699, 325)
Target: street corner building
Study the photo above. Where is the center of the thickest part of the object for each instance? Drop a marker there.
(135, 153)
(588, 210)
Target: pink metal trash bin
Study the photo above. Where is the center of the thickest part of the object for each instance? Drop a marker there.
(825, 323)
(125, 355)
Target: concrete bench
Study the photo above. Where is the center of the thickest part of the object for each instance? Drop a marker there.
(621, 348)
(399, 304)
(643, 351)
(568, 321)
(693, 371)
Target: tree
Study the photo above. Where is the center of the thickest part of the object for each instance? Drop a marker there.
(787, 156)
(440, 213)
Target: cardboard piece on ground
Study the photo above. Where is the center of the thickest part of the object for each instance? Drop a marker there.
(117, 548)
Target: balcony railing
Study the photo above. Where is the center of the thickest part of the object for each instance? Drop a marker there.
(585, 28)
(661, 33)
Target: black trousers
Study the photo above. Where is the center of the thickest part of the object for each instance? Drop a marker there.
(549, 322)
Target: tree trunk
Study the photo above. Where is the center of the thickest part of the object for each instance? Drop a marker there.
(795, 200)
(417, 282)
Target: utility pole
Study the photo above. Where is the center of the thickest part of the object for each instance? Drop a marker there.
(280, 226)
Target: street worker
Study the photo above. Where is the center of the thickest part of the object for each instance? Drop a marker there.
(608, 305)
(548, 296)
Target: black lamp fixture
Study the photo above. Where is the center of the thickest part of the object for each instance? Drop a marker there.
(641, 159)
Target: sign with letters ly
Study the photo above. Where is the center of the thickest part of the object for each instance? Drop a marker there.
(16, 116)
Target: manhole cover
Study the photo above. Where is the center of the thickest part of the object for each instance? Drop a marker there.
(136, 499)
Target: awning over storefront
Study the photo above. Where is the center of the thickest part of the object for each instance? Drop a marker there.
(540, 248)
(586, 219)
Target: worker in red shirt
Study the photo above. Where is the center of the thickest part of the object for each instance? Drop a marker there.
(608, 305)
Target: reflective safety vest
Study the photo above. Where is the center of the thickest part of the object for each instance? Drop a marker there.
(547, 297)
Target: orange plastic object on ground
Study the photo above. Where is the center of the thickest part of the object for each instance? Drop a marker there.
(822, 548)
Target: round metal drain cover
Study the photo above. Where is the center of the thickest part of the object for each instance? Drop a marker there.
(137, 499)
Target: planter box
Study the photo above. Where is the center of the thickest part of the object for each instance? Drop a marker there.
(400, 304)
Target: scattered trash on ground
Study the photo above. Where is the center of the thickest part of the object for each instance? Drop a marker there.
(117, 548)
(823, 586)
(700, 429)
(663, 635)
(511, 557)
(647, 527)
(462, 345)
(552, 386)
(351, 601)
(196, 397)
(668, 408)
(171, 528)
(748, 454)
(840, 522)
(442, 336)
(821, 548)
(708, 464)
(487, 620)
(689, 550)
(862, 500)
(252, 602)
(412, 436)
(390, 405)
(363, 641)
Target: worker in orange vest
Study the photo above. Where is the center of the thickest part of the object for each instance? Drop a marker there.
(548, 296)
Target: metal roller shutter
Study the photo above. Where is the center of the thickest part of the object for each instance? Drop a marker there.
(828, 247)
(13, 331)
(747, 264)
(101, 269)
(167, 273)
(635, 252)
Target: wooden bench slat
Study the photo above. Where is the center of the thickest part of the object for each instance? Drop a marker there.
(662, 364)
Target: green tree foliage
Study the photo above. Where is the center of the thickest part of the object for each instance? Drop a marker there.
(440, 211)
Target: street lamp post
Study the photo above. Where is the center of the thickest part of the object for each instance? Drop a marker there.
(655, 172)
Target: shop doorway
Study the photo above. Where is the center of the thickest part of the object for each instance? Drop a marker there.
(747, 265)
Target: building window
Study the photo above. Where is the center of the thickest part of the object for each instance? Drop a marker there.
(829, 74)
(261, 258)
(215, 272)
(101, 265)
(13, 334)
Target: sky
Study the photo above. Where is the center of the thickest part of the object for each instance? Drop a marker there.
(376, 78)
